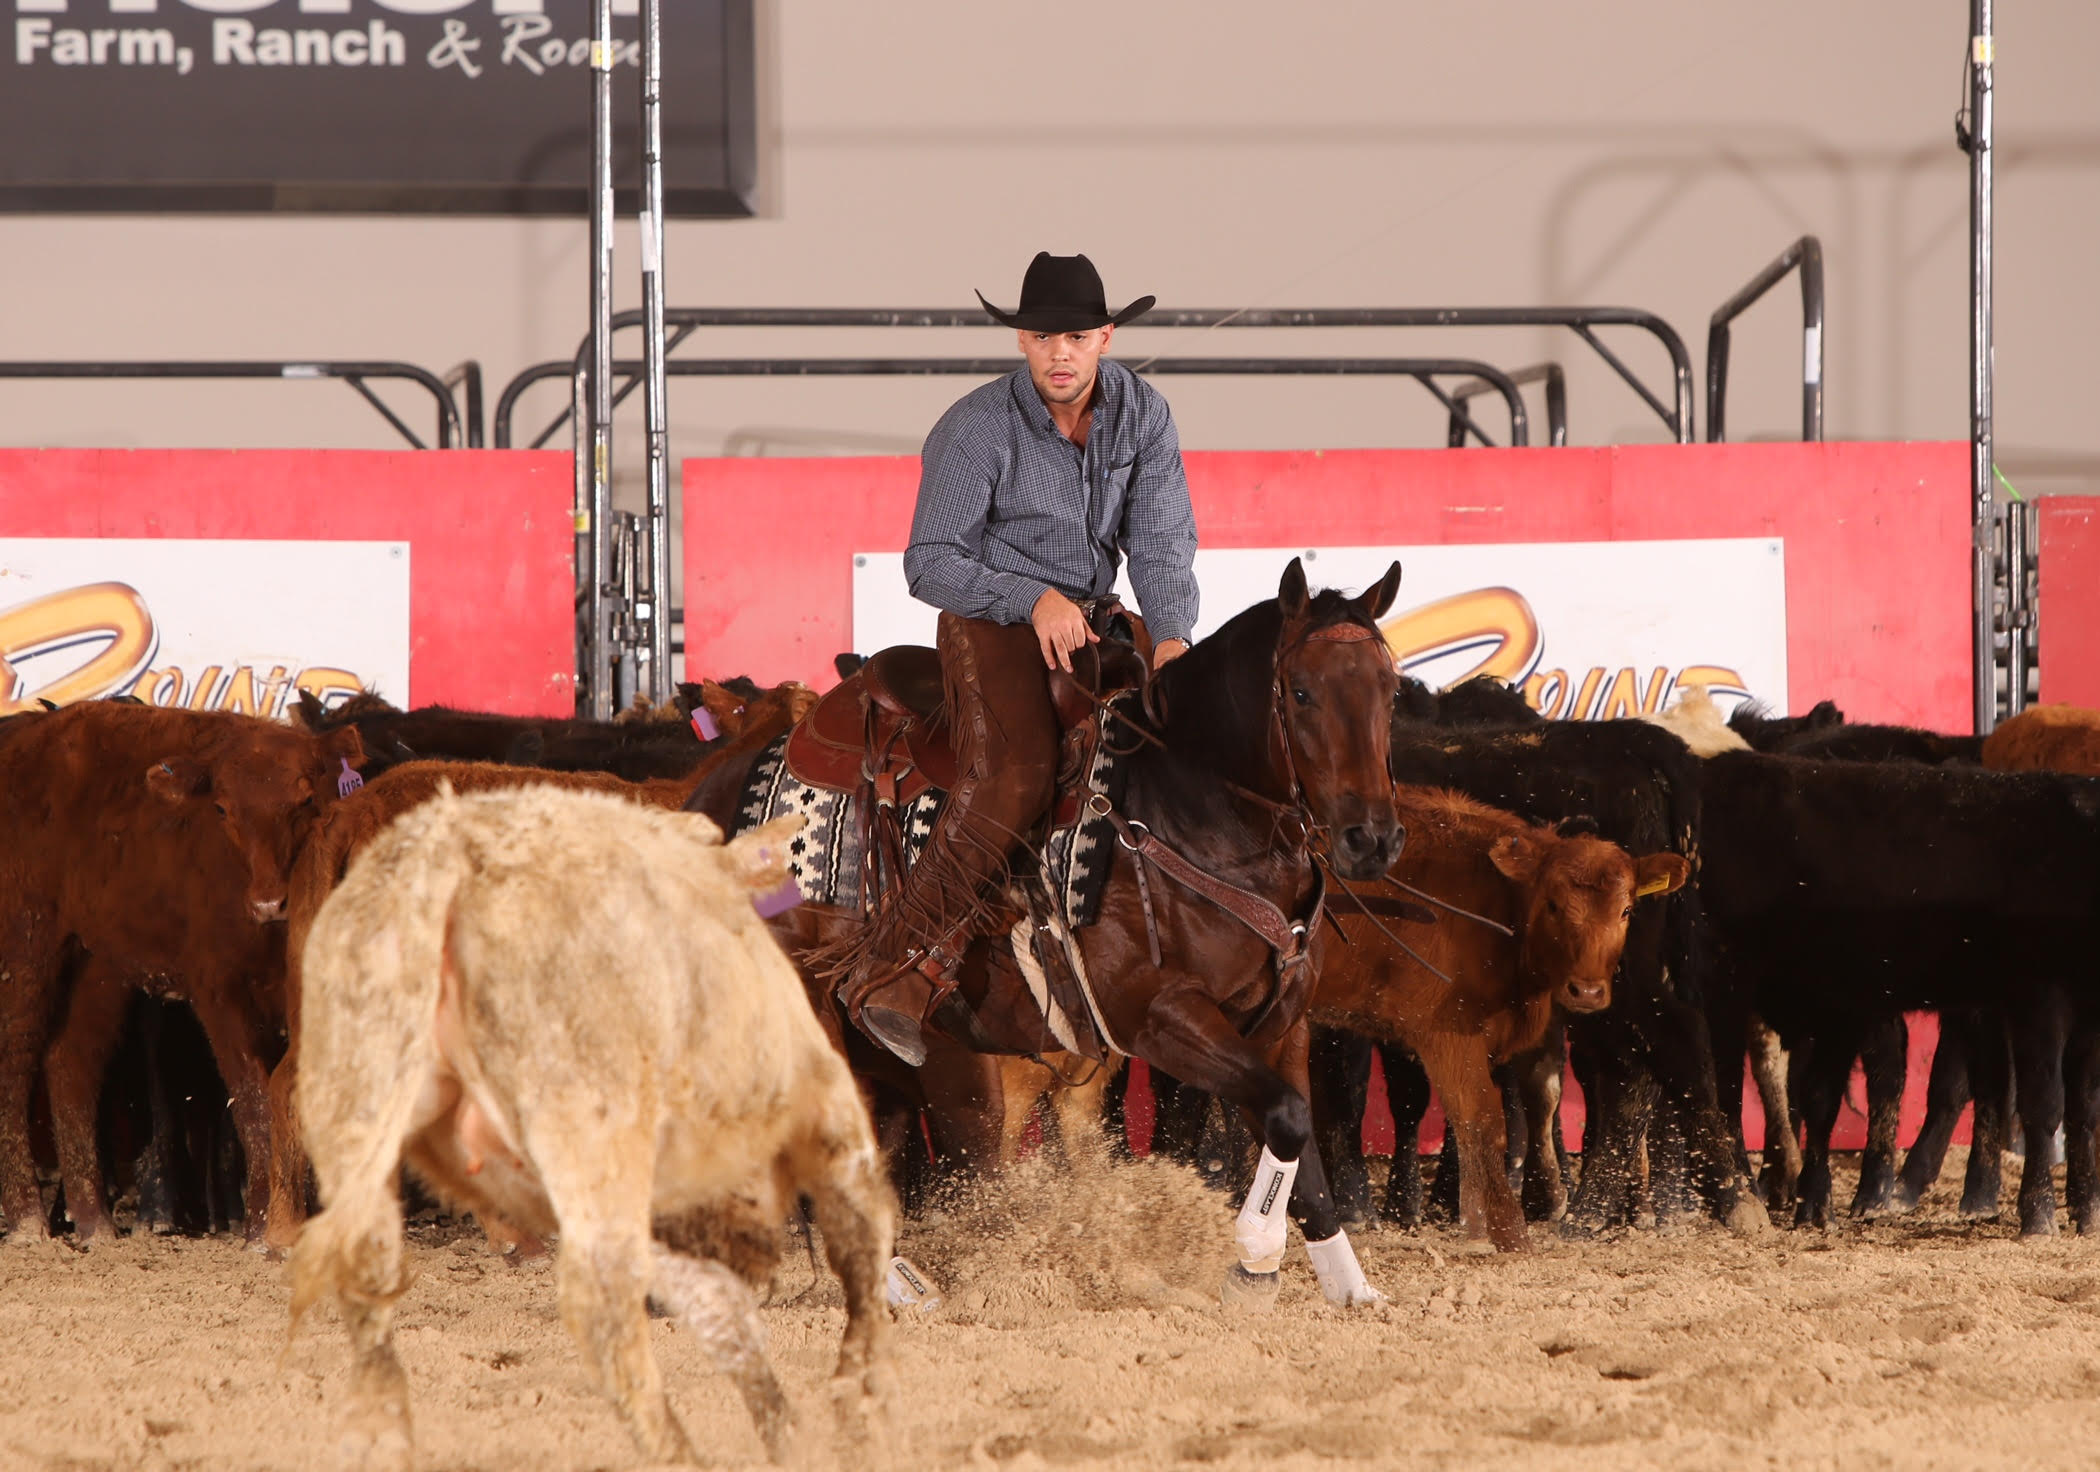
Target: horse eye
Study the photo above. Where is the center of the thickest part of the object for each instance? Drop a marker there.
(1301, 696)
(1627, 913)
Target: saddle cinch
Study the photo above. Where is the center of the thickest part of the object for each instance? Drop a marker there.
(884, 729)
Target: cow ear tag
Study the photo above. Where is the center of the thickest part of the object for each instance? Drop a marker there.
(704, 724)
(349, 781)
(1653, 886)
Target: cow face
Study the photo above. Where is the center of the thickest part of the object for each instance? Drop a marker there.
(1577, 897)
(265, 792)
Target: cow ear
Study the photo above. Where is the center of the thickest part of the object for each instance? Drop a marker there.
(759, 856)
(178, 778)
(1660, 874)
(1582, 825)
(1291, 594)
(312, 714)
(1517, 858)
(1379, 597)
(1825, 715)
(344, 745)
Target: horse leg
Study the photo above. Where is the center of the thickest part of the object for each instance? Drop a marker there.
(1341, 1086)
(1078, 1109)
(1946, 1091)
(965, 1106)
(1884, 1054)
(1185, 1032)
(1407, 1090)
(1312, 1204)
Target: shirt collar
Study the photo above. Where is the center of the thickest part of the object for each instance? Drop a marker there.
(1108, 390)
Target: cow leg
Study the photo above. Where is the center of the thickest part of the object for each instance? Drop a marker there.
(1442, 1198)
(287, 1208)
(2039, 1034)
(1824, 1072)
(1781, 1168)
(1621, 1095)
(1459, 1068)
(1946, 1091)
(1991, 1084)
(2081, 1114)
(1884, 1054)
(236, 1038)
(1680, 1057)
(853, 1208)
(1341, 1087)
(1545, 1192)
(31, 972)
(1407, 1091)
(717, 1308)
(73, 1069)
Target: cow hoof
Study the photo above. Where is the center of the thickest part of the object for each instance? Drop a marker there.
(2044, 1226)
(364, 1449)
(1747, 1218)
(1253, 1293)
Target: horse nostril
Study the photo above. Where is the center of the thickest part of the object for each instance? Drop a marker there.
(1358, 840)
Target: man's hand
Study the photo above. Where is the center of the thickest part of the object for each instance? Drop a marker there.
(1167, 649)
(1060, 628)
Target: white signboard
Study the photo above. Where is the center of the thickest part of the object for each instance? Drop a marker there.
(208, 625)
(1588, 630)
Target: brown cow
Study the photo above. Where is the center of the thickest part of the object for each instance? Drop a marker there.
(2046, 738)
(1567, 900)
(563, 1007)
(157, 842)
(361, 817)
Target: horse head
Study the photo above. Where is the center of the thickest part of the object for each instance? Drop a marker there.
(1333, 694)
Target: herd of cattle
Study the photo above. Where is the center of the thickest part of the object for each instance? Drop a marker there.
(162, 866)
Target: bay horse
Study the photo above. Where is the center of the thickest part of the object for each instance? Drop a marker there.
(1261, 746)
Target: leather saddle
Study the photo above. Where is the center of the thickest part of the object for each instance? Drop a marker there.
(886, 726)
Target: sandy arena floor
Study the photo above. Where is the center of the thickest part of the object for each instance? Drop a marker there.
(1091, 1337)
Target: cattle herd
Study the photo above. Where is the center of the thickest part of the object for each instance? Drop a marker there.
(512, 955)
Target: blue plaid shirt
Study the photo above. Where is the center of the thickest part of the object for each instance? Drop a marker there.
(1009, 507)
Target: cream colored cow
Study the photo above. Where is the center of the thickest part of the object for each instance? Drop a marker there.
(561, 1008)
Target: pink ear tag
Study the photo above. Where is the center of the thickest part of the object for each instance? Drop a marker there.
(704, 724)
(349, 781)
(778, 901)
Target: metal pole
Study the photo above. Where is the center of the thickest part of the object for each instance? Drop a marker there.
(655, 610)
(1982, 497)
(600, 430)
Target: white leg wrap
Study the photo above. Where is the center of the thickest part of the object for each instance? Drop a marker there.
(1341, 1276)
(907, 1286)
(1260, 1231)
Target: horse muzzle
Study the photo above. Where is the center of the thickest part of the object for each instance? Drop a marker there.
(1364, 851)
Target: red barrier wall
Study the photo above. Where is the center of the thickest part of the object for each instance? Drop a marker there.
(2069, 594)
(491, 559)
(1876, 541)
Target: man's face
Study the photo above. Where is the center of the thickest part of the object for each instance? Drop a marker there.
(1062, 364)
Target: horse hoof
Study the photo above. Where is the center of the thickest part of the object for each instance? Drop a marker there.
(1250, 1292)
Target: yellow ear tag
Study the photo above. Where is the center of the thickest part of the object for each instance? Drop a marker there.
(1653, 886)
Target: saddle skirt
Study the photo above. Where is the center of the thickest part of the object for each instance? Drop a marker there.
(1053, 891)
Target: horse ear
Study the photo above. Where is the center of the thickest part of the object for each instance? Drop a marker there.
(1378, 599)
(1291, 594)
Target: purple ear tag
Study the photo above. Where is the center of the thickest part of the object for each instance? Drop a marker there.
(778, 901)
(704, 724)
(349, 781)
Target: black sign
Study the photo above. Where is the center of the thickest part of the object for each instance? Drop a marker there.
(464, 106)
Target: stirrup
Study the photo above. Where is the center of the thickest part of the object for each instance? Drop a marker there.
(899, 1031)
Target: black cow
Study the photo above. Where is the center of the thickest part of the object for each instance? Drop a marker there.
(1840, 892)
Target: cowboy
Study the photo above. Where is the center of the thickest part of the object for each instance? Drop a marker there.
(1032, 489)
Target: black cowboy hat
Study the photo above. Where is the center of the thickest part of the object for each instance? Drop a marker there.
(1063, 294)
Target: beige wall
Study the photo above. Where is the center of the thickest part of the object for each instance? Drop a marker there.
(1221, 153)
